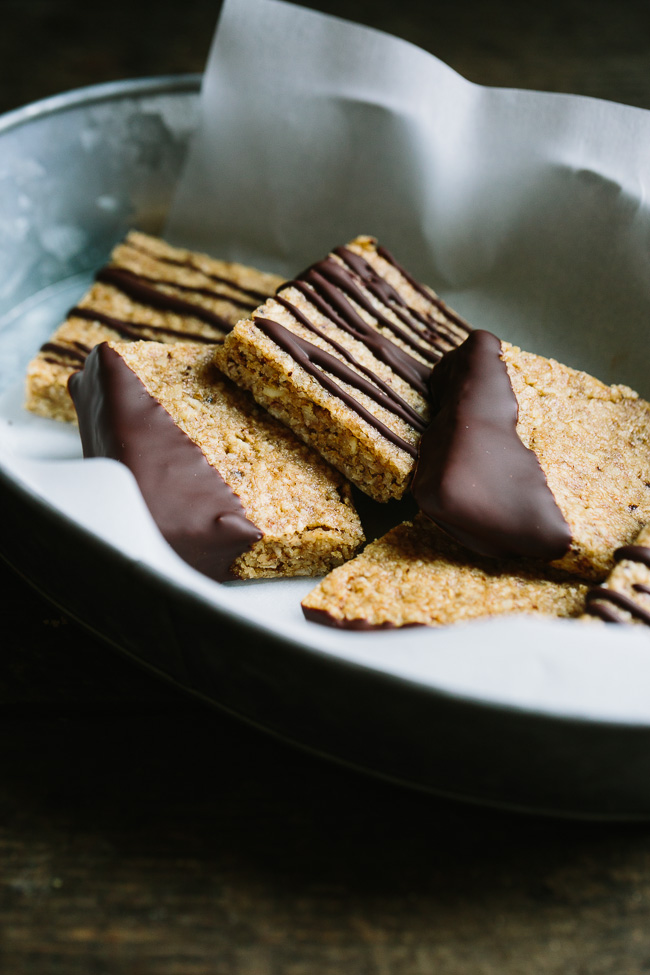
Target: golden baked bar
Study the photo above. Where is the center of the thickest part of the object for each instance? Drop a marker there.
(149, 290)
(417, 575)
(624, 597)
(342, 355)
(525, 457)
(231, 489)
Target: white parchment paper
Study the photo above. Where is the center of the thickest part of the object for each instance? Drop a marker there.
(527, 211)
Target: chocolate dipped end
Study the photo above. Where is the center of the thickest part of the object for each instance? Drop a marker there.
(196, 511)
(474, 477)
(324, 618)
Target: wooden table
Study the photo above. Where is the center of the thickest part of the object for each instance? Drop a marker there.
(141, 832)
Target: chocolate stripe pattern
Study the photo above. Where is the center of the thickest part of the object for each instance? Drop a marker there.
(148, 291)
(321, 365)
(194, 265)
(72, 355)
(137, 287)
(135, 330)
(603, 602)
(339, 287)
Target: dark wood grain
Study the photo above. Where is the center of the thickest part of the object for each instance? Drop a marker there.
(142, 832)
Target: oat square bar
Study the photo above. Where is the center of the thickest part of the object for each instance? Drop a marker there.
(342, 355)
(231, 489)
(417, 576)
(148, 291)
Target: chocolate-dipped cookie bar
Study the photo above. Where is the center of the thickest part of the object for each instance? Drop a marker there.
(148, 291)
(231, 489)
(416, 575)
(342, 355)
(525, 457)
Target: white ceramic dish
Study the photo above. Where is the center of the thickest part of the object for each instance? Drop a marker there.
(552, 717)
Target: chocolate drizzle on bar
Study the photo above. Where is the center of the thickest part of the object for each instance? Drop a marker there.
(333, 306)
(196, 511)
(322, 366)
(72, 355)
(474, 477)
(425, 292)
(634, 553)
(398, 405)
(337, 288)
(336, 284)
(603, 602)
(146, 290)
(75, 354)
(192, 289)
(383, 291)
(137, 330)
(256, 297)
(137, 288)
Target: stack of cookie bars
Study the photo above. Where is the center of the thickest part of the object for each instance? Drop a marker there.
(258, 414)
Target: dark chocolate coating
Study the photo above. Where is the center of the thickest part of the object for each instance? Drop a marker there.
(196, 511)
(474, 477)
